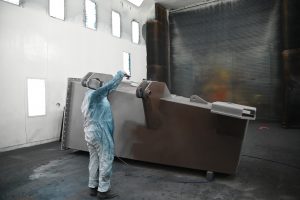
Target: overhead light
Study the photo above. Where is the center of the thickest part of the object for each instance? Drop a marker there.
(136, 2)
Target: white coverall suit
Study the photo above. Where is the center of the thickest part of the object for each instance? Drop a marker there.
(99, 129)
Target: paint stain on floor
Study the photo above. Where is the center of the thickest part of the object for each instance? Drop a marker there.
(46, 171)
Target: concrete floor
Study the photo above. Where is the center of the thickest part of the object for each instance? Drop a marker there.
(269, 169)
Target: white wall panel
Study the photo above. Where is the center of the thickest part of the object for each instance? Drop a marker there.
(35, 45)
(12, 106)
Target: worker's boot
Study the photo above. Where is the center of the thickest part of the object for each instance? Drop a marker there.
(106, 195)
(93, 191)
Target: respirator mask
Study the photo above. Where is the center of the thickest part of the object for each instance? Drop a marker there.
(91, 83)
(94, 83)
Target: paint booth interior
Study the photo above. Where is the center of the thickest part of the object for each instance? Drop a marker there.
(232, 59)
(241, 52)
(201, 72)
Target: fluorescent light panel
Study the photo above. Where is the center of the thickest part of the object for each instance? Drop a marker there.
(16, 2)
(127, 63)
(136, 2)
(57, 9)
(135, 31)
(90, 15)
(36, 97)
(116, 24)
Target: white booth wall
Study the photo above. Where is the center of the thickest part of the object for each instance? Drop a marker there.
(35, 45)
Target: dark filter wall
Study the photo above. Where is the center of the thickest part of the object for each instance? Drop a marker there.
(229, 52)
(291, 63)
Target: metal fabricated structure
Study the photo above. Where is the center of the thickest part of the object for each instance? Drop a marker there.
(155, 126)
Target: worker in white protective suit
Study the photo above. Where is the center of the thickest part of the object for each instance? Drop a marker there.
(99, 128)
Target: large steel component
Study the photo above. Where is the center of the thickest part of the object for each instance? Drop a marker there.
(162, 128)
